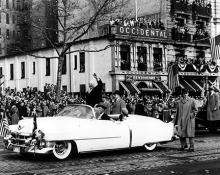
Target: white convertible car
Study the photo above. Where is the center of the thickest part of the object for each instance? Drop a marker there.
(76, 130)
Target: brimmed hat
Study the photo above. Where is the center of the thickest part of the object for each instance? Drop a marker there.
(211, 88)
(117, 92)
(102, 105)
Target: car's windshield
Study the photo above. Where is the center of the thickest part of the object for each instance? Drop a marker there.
(77, 111)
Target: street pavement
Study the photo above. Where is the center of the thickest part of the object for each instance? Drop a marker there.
(115, 162)
(194, 168)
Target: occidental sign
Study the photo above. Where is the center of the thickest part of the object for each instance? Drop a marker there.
(135, 31)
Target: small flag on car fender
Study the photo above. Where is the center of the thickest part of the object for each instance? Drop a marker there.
(4, 126)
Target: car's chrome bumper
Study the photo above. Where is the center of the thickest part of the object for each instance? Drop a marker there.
(26, 148)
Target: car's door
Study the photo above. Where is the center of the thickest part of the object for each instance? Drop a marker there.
(102, 135)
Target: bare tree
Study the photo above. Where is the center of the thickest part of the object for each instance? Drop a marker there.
(76, 20)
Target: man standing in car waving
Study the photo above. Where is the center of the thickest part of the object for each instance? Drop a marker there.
(94, 96)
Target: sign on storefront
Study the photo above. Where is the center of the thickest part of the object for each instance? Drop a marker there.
(141, 78)
(135, 31)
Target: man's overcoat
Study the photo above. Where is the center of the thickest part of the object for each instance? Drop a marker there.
(185, 117)
(213, 112)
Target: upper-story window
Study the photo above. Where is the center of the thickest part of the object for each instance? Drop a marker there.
(7, 18)
(7, 34)
(157, 62)
(13, 19)
(18, 5)
(142, 58)
(75, 62)
(22, 69)
(34, 68)
(125, 57)
(47, 67)
(82, 62)
(7, 4)
(14, 37)
(180, 55)
(11, 71)
(13, 4)
(1, 72)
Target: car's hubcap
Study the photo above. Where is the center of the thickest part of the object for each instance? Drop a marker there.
(61, 148)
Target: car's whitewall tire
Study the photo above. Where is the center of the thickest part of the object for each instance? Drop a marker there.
(150, 146)
(62, 150)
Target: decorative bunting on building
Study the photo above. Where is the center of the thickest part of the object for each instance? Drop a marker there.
(215, 47)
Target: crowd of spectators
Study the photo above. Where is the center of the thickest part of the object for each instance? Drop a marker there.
(30, 102)
(199, 3)
(141, 22)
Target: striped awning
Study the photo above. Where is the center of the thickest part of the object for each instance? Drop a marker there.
(129, 87)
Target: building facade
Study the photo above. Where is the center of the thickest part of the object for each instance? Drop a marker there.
(142, 49)
(16, 25)
(215, 17)
(9, 31)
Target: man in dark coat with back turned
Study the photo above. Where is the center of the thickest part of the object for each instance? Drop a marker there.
(94, 96)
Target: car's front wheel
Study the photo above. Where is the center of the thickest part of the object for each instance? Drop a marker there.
(62, 149)
(150, 146)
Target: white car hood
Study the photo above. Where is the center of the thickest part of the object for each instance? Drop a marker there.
(53, 127)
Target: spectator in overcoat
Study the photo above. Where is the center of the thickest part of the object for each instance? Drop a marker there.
(185, 116)
(213, 112)
(14, 115)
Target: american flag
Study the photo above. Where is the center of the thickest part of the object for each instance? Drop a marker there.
(215, 47)
(4, 126)
(173, 77)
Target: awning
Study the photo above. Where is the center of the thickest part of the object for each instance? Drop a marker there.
(199, 82)
(186, 85)
(129, 87)
(151, 86)
(215, 88)
(199, 85)
(194, 85)
(161, 85)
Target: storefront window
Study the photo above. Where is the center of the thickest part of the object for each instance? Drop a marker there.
(125, 57)
(157, 62)
(142, 58)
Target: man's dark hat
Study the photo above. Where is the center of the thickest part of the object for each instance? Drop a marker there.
(102, 105)
(184, 91)
(117, 92)
(104, 96)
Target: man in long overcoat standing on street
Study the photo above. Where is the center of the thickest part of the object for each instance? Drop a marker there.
(185, 119)
(213, 112)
